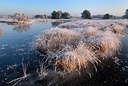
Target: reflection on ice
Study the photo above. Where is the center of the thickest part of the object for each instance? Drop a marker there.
(22, 28)
(54, 24)
(1, 32)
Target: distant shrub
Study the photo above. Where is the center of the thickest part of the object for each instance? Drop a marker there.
(86, 14)
(126, 14)
(65, 15)
(41, 16)
(20, 17)
(106, 16)
(60, 15)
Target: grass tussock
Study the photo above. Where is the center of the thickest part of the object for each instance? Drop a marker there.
(72, 46)
(104, 43)
(75, 59)
(56, 39)
(115, 28)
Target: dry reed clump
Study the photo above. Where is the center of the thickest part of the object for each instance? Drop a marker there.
(76, 59)
(64, 50)
(76, 24)
(68, 25)
(42, 71)
(88, 31)
(73, 49)
(56, 39)
(115, 28)
(104, 43)
(24, 77)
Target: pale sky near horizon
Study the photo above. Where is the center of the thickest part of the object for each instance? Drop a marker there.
(74, 7)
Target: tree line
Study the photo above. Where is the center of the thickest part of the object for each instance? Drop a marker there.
(64, 15)
(87, 15)
(84, 15)
(55, 15)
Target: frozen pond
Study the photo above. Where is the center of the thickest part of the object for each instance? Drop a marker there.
(15, 44)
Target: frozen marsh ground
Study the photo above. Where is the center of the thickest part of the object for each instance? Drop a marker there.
(81, 46)
(76, 53)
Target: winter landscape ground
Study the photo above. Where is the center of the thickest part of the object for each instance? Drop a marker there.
(72, 51)
(64, 43)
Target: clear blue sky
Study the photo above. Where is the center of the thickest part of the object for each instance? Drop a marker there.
(75, 7)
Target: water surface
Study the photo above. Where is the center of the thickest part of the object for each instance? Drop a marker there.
(16, 44)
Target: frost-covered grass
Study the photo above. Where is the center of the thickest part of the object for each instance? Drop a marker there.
(104, 43)
(76, 58)
(25, 75)
(72, 46)
(97, 23)
(56, 39)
